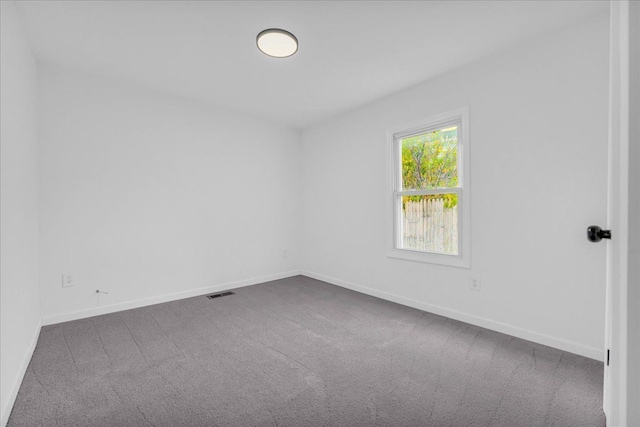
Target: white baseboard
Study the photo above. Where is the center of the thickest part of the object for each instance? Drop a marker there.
(15, 387)
(127, 305)
(548, 340)
(551, 341)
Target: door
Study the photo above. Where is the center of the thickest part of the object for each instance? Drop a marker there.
(621, 394)
(612, 314)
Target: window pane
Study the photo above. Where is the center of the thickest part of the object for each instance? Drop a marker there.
(430, 223)
(430, 160)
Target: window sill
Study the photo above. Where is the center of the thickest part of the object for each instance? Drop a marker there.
(429, 258)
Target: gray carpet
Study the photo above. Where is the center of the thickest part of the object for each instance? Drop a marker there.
(299, 352)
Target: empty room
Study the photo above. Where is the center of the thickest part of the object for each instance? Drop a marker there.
(320, 213)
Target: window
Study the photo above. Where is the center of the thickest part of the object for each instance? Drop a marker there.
(430, 190)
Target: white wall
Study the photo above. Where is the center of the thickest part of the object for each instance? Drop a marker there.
(538, 130)
(19, 291)
(144, 196)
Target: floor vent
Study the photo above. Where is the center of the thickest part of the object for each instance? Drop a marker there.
(223, 294)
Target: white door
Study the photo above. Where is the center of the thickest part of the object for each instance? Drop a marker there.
(622, 358)
(612, 315)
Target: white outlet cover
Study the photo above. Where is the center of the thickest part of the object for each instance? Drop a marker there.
(67, 280)
(476, 285)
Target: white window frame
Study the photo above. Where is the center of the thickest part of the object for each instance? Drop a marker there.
(460, 117)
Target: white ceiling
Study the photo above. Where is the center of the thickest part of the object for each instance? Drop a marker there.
(351, 53)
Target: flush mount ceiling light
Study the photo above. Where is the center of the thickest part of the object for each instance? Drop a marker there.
(277, 43)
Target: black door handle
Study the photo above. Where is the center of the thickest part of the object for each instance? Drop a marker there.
(595, 233)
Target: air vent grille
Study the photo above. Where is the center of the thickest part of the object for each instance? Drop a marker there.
(223, 294)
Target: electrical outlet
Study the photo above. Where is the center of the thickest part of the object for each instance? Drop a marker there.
(285, 253)
(475, 284)
(67, 280)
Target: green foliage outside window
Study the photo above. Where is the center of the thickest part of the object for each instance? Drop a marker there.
(430, 161)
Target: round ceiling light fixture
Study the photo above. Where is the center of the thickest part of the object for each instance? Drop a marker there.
(277, 43)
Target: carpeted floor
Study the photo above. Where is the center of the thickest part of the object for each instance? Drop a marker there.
(299, 352)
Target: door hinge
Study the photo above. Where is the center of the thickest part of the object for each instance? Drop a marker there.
(608, 353)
